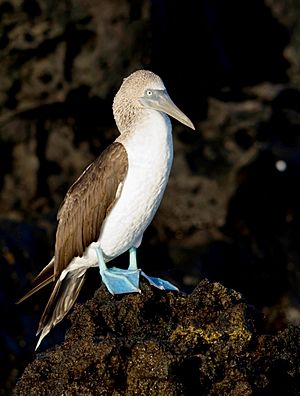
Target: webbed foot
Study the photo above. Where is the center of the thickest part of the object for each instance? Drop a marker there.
(159, 283)
(120, 281)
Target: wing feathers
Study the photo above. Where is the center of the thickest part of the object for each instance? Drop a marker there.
(86, 204)
(80, 217)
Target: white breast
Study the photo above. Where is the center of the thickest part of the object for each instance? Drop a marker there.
(150, 156)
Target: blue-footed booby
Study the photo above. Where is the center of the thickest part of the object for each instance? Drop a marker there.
(108, 208)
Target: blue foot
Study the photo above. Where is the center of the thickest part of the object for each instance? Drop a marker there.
(120, 281)
(117, 280)
(159, 283)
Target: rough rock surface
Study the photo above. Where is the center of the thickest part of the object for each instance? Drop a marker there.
(156, 343)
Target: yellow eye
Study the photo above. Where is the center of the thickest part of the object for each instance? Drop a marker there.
(148, 92)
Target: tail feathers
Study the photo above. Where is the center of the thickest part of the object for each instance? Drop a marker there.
(61, 301)
(45, 277)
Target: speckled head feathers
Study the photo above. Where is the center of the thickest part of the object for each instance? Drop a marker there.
(126, 102)
(135, 85)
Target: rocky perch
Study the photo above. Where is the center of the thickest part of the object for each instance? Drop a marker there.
(164, 343)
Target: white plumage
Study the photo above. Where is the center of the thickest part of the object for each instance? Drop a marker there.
(150, 156)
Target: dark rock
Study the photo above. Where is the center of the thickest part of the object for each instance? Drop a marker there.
(158, 343)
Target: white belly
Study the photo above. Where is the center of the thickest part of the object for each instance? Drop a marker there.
(150, 156)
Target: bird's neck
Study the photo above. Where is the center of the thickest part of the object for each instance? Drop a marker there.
(149, 148)
(153, 131)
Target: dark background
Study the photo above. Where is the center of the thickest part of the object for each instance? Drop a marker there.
(231, 211)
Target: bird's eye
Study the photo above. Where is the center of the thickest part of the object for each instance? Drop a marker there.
(148, 92)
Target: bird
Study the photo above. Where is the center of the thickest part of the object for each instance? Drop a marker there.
(107, 210)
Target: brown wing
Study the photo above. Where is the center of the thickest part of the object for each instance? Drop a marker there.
(86, 205)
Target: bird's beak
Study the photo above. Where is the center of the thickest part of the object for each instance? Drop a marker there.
(161, 101)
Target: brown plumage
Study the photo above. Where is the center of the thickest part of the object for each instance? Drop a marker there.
(80, 217)
(86, 205)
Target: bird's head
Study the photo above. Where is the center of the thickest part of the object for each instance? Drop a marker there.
(144, 90)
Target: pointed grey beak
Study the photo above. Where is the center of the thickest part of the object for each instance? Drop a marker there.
(161, 101)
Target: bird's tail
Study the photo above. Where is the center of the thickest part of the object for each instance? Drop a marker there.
(45, 277)
(62, 299)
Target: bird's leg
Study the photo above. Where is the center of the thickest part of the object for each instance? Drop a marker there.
(157, 282)
(132, 259)
(117, 280)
